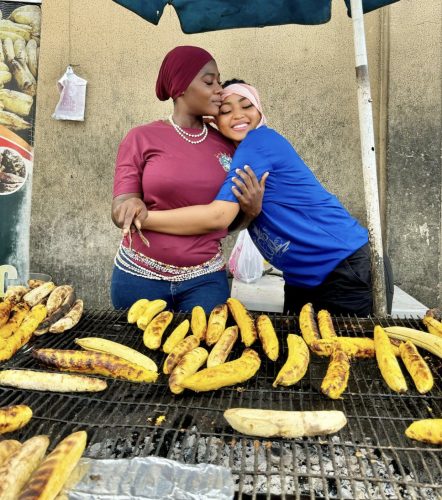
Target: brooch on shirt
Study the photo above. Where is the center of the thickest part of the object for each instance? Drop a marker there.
(225, 160)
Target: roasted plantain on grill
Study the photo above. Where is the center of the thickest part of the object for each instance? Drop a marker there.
(155, 329)
(417, 367)
(216, 324)
(338, 371)
(48, 479)
(387, 362)
(152, 309)
(7, 448)
(198, 322)
(222, 348)
(18, 314)
(60, 305)
(98, 363)
(231, 373)
(267, 336)
(136, 310)
(354, 347)
(5, 311)
(427, 431)
(179, 351)
(297, 362)
(176, 336)
(36, 295)
(325, 323)
(307, 324)
(189, 364)
(70, 319)
(244, 321)
(14, 417)
(432, 321)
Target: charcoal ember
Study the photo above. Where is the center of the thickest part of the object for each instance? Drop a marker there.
(12, 163)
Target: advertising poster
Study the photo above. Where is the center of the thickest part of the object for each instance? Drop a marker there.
(19, 47)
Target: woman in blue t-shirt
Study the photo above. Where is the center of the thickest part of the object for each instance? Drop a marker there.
(303, 230)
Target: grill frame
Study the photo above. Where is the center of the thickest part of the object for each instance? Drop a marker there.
(370, 457)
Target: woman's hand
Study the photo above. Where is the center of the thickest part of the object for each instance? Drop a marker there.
(249, 191)
(128, 210)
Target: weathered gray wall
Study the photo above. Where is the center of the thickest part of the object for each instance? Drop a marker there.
(414, 148)
(307, 82)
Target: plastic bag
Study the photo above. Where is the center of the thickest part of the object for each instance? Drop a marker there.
(72, 100)
(245, 262)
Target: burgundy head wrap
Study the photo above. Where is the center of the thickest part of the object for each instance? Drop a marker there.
(179, 68)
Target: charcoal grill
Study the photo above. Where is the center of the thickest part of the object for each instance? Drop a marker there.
(370, 458)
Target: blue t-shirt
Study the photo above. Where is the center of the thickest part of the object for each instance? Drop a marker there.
(303, 230)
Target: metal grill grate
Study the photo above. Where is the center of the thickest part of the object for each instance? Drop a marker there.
(370, 458)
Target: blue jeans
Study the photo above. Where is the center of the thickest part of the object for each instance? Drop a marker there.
(206, 291)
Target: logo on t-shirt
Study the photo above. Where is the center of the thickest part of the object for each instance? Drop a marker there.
(225, 160)
(269, 247)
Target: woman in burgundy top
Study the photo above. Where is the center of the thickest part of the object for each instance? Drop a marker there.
(172, 164)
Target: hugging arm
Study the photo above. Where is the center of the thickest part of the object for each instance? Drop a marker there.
(128, 209)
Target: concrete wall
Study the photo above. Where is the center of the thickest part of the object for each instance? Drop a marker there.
(307, 81)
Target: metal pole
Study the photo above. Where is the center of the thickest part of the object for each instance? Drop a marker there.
(369, 160)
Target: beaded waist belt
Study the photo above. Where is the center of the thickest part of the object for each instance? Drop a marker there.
(129, 261)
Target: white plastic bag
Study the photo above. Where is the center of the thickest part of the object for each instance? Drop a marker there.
(245, 262)
(72, 100)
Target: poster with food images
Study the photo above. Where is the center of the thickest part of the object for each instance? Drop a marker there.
(19, 51)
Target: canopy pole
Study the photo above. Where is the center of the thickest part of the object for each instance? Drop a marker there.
(369, 160)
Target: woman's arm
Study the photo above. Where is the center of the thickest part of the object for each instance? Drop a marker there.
(198, 219)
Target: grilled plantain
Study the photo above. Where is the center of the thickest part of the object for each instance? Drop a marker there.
(434, 326)
(387, 362)
(36, 295)
(222, 348)
(48, 479)
(122, 351)
(336, 379)
(417, 367)
(7, 448)
(70, 319)
(354, 347)
(187, 365)
(267, 336)
(57, 297)
(198, 322)
(325, 323)
(179, 351)
(15, 294)
(176, 336)
(244, 321)
(297, 362)
(14, 417)
(18, 467)
(18, 314)
(428, 430)
(216, 324)
(5, 311)
(62, 309)
(49, 381)
(307, 324)
(152, 309)
(231, 373)
(136, 310)
(99, 363)
(155, 329)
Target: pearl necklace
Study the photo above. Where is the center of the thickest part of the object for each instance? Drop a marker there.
(187, 136)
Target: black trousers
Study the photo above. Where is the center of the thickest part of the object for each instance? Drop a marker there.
(346, 290)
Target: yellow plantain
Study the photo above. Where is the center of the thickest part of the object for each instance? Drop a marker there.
(7, 448)
(198, 322)
(336, 379)
(307, 324)
(244, 321)
(297, 362)
(18, 467)
(189, 364)
(50, 381)
(48, 479)
(354, 347)
(417, 367)
(179, 351)
(18, 314)
(231, 373)
(153, 308)
(216, 324)
(36, 295)
(428, 430)
(68, 321)
(222, 348)
(15, 293)
(267, 336)
(429, 342)
(99, 363)
(433, 325)
(23, 334)
(387, 362)
(176, 336)
(136, 310)
(122, 351)
(325, 323)
(5, 311)
(155, 329)
(14, 417)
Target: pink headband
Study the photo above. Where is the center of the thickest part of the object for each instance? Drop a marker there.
(249, 93)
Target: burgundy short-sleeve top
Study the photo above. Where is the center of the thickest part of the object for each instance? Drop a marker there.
(170, 173)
